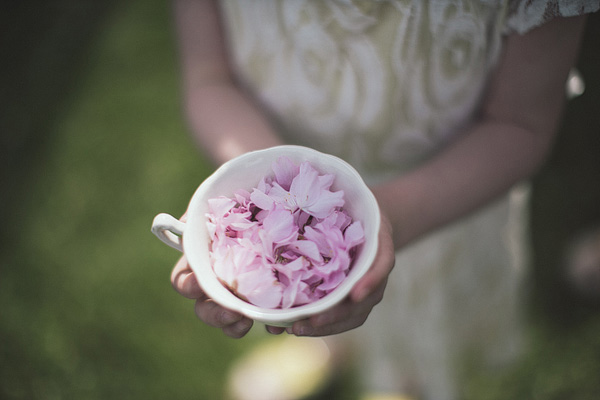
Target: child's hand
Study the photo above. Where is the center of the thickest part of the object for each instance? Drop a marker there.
(184, 281)
(353, 311)
(349, 314)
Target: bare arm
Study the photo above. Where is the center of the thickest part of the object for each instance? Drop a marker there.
(507, 144)
(223, 120)
(226, 124)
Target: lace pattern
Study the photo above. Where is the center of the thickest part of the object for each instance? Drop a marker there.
(524, 15)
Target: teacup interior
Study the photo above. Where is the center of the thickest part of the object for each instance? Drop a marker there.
(245, 172)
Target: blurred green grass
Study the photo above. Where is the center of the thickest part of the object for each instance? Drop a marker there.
(87, 308)
(93, 146)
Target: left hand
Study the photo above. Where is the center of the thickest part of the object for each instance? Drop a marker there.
(354, 310)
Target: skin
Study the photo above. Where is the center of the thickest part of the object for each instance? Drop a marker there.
(506, 144)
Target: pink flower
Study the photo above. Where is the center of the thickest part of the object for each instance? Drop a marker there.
(230, 258)
(334, 246)
(278, 229)
(286, 243)
(306, 248)
(308, 192)
(285, 171)
(259, 286)
(291, 275)
(223, 215)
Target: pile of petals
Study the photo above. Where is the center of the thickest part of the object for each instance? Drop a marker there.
(288, 242)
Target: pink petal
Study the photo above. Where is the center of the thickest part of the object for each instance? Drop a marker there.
(332, 282)
(339, 219)
(261, 200)
(325, 203)
(305, 188)
(219, 206)
(212, 229)
(354, 235)
(318, 238)
(283, 198)
(242, 225)
(301, 218)
(239, 221)
(294, 294)
(285, 170)
(325, 181)
(260, 287)
(292, 269)
(306, 248)
(279, 225)
(339, 263)
(242, 196)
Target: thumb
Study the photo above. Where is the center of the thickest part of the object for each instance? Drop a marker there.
(381, 267)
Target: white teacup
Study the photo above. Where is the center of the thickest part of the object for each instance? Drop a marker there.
(244, 172)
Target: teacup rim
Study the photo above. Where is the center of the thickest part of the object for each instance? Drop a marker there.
(215, 290)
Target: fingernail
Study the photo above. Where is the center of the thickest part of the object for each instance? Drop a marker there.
(228, 318)
(243, 325)
(274, 331)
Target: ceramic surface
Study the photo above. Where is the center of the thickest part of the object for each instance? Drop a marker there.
(245, 172)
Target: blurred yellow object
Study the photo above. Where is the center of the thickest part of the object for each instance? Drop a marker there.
(282, 368)
(386, 397)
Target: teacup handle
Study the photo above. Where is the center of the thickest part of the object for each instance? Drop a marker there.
(169, 229)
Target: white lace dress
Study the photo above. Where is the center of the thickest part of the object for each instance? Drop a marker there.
(384, 85)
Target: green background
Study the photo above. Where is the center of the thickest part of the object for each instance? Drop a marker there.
(93, 145)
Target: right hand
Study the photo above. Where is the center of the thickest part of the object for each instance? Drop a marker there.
(231, 323)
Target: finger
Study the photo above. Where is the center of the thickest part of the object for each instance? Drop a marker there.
(184, 280)
(215, 315)
(343, 317)
(380, 269)
(238, 329)
(316, 326)
(233, 324)
(275, 330)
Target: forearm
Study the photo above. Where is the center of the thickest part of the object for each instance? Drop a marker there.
(225, 123)
(518, 120)
(480, 166)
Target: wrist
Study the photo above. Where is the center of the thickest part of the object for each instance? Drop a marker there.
(394, 204)
(415, 204)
